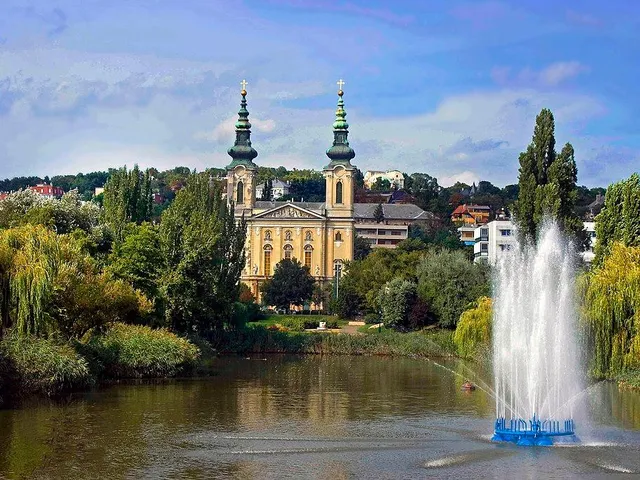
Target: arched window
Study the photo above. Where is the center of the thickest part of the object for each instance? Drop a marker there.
(339, 192)
(308, 236)
(287, 235)
(240, 192)
(267, 235)
(267, 260)
(308, 252)
(338, 237)
(288, 250)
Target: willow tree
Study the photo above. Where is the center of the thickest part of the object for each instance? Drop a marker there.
(203, 247)
(619, 219)
(49, 285)
(30, 257)
(612, 310)
(473, 331)
(127, 198)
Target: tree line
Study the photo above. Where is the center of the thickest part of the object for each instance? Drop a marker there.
(68, 266)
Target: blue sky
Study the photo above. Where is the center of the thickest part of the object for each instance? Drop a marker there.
(448, 88)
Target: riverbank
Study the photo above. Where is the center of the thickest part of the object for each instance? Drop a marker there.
(35, 366)
(50, 367)
(260, 339)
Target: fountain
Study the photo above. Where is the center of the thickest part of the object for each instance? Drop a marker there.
(535, 351)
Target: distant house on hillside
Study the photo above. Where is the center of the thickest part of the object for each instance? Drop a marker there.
(279, 189)
(47, 190)
(471, 214)
(394, 228)
(468, 218)
(395, 178)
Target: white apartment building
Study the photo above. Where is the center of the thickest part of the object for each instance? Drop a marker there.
(496, 238)
(492, 240)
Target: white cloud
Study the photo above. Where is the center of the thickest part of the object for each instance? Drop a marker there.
(464, 177)
(550, 76)
(225, 130)
(557, 73)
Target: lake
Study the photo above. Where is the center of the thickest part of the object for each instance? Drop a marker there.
(305, 417)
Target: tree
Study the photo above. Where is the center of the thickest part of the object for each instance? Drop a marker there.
(62, 215)
(378, 214)
(361, 248)
(396, 298)
(611, 307)
(203, 247)
(619, 219)
(381, 185)
(291, 284)
(546, 182)
(364, 278)
(358, 178)
(442, 236)
(473, 331)
(127, 198)
(424, 188)
(49, 285)
(266, 190)
(349, 302)
(448, 281)
(139, 261)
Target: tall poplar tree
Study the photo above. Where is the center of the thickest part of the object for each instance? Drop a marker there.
(127, 198)
(547, 182)
(619, 219)
(203, 246)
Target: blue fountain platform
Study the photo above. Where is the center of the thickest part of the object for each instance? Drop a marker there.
(534, 432)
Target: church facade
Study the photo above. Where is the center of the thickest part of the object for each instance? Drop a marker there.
(319, 235)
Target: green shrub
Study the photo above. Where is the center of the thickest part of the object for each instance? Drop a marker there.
(372, 319)
(136, 351)
(396, 299)
(299, 324)
(36, 365)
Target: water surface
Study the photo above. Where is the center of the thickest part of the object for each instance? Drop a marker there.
(304, 417)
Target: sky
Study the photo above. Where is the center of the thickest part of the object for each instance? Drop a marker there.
(449, 88)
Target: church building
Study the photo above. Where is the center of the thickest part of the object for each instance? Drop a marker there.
(319, 235)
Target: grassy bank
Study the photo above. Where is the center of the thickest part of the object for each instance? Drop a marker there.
(135, 351)
(34, 365)
(258, 339)
(50, 367)
(298, 323)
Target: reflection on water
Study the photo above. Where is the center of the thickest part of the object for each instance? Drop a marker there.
(302, 417)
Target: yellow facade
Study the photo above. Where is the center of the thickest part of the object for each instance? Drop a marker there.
(319, 235)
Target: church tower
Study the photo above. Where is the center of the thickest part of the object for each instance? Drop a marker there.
(242, 172)
(338, 173)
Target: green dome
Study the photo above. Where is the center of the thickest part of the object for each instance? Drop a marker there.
(340, 152)
(242, 152)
